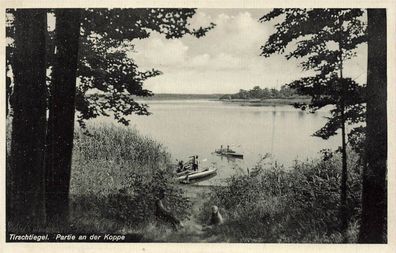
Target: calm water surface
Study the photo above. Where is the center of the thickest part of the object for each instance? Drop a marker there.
(188, 127)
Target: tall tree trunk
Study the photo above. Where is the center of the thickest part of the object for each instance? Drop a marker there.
(29, 119)
(61, 114)
(8, 88)
(8, 92)
(344, 173)
(374, 196)
(344, 180)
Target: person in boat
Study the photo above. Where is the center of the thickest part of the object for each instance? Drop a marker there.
(165, 215)
(180, 167)
(195, 163)
(228, 148)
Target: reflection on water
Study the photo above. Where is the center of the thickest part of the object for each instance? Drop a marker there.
(189, 127)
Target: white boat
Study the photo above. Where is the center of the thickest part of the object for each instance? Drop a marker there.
(197, 175)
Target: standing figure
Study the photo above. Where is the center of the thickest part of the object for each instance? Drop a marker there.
(180, 166)
(195, 163)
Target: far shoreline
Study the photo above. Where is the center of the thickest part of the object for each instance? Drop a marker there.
(217, 97)
(267, 102)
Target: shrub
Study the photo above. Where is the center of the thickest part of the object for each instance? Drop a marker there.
(116, 177)
(300, 204)
(135, 204)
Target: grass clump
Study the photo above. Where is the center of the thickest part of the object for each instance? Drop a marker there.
(300, 204)
(116, 177)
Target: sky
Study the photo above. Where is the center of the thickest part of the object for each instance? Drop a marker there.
(226, 59)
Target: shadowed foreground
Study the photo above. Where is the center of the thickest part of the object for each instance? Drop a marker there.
(118, 174)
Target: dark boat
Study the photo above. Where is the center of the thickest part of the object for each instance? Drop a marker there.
(229, 153)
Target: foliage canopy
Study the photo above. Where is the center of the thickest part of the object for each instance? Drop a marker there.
(324, 40)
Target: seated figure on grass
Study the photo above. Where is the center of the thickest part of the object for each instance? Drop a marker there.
(165, 215)
(215, 218)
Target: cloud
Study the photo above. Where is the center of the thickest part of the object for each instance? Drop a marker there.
(225, 60)
(237, 34)
(234, 37)
(200, 60)
(159, 52)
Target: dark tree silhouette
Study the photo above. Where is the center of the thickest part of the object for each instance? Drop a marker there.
(10, 48)
(101, 64)
(29, 119)
(61, 113)
(374, 195)
(106, 36)
(94, 52)
(315, 30)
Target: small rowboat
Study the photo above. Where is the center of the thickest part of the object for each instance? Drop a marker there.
(230, 153)
(193, 176)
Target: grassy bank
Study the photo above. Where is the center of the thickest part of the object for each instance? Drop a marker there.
(116, 177)
(300, 204)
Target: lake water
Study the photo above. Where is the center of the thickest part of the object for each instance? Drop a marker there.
(198, 127)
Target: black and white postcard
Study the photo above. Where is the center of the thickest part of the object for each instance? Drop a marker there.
(228, 126)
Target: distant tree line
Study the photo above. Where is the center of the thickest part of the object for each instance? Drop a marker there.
(258, 93)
